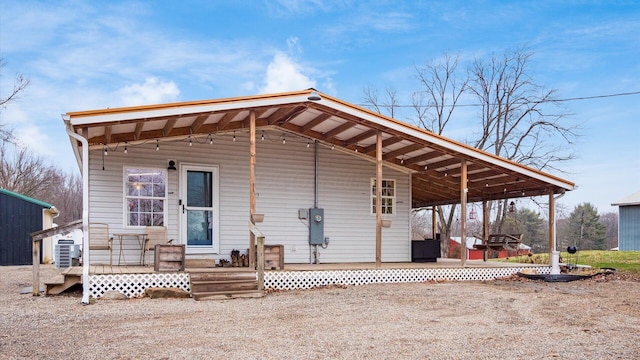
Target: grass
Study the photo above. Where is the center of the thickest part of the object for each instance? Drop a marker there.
(619, 260)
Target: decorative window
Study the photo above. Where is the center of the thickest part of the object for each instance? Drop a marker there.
(388, 196)
(145, 196)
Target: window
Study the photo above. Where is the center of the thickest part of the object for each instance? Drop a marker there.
(388, 196)
(145, 197)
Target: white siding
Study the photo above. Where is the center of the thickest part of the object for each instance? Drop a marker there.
(284, 184)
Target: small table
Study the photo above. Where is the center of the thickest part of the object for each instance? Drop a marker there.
(140, 238)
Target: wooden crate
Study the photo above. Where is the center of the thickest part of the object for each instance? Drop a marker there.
(273, 257)
(169, 258)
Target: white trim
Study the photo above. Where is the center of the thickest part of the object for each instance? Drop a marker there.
(80, 120)
(125, 218)
(372, 197)
(215, 193)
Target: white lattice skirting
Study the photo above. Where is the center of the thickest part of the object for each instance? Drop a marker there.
(133, 285)
(291, 280)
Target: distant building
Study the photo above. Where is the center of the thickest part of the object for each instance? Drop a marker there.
(629, 222)
(20, 216)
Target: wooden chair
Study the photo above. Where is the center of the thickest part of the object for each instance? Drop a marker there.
(156, 235)
(99, 239)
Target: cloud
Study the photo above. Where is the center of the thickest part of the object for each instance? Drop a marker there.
(152, 91)
(283, 74)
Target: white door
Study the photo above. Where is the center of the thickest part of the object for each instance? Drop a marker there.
(199, 207)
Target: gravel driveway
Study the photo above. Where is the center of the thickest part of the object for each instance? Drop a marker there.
(503, 319)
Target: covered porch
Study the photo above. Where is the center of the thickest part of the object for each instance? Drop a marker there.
(432, 169)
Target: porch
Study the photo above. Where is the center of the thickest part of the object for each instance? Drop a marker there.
(133, 280)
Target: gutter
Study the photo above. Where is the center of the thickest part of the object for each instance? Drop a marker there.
(85, 203)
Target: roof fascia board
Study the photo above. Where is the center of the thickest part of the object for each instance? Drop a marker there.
(449, 144)
(124, 114)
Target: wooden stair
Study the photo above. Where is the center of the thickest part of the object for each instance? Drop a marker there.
(220, 285)
(58, 286)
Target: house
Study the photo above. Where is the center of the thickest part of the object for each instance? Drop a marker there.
(20, 216)
(629, 222)
(327, 180)
(477, 254)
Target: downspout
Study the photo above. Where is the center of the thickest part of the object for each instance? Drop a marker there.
(313, 249)
(555, 254)
(85, 206)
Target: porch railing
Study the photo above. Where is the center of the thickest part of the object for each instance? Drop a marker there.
(259, 254)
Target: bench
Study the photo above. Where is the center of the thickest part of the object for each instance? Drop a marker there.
(498, 242)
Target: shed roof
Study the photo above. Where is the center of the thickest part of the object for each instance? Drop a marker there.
(433, 160)
(26, 198)
(633, 199)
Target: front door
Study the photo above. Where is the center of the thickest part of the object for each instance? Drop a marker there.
(199, 208)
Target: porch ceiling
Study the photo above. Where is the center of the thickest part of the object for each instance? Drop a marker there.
(434, 161)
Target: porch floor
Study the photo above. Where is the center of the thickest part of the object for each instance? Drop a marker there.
(441, 263)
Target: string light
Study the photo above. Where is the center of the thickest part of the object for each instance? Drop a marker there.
(308, 145)
(190, 143)
(157, 144)
(125, 147)
(234, 135)
(333, 147)
(262, 137)
(284, 139)
(105, 151)
(210, 139)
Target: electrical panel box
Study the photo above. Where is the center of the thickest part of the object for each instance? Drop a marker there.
(316, 226)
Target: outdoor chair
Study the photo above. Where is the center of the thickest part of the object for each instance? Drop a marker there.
(99, 239)
(156, 235)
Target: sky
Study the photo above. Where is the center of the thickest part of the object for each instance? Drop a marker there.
(83, 55)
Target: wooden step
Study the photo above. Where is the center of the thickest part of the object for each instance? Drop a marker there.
(199, 263)
(224, 285)
(223, 295)
(57, 287)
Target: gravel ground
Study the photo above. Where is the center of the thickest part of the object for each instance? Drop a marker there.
(503, 319)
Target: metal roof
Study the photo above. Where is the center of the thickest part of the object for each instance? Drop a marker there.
(433, 160)
(633, 199)
(26, 198)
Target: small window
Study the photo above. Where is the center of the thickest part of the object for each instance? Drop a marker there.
(145, 197)
(388, 196)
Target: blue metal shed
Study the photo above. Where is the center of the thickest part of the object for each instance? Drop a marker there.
(19, 216)
(629, 222)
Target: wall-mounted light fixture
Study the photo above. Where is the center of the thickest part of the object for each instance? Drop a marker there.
(172, 165)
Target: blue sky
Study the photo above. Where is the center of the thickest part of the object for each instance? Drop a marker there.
(84, 55)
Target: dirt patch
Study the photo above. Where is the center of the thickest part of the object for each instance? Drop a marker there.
(506, 319)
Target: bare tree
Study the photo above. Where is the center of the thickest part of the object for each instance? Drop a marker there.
(443, 86)
(25, 173)
(19, 85)
(517, 120)
(388, 105)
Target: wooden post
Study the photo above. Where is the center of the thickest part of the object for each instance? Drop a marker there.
(379, 199)
(36, 266)
(552, 224)
(261, 263)
(463, 212)
(434, 223)
(485, 227)
(252, 185)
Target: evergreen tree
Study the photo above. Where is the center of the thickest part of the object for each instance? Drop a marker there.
(583, 229)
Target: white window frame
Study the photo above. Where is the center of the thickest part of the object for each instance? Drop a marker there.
(372, 205)
(126, 196)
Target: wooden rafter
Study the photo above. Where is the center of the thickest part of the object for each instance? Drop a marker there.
(337, 130)
(168, 126)
(361, 137)
(198, 122)
(402, 151)
(226, 120)
(304, 129)
(386, 142)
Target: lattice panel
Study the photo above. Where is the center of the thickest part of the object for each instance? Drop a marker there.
(291, 280)
(133, 285)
